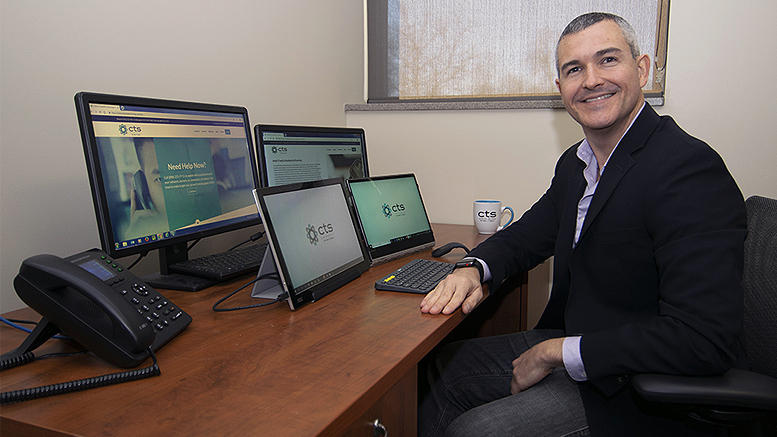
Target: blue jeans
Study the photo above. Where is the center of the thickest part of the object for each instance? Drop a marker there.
(470, 393)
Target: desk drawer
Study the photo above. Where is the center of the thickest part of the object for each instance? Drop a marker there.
(396, 410)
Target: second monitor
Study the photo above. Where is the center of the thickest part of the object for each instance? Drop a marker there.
(293, 154)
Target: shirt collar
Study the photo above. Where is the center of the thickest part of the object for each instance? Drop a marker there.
(586, 153)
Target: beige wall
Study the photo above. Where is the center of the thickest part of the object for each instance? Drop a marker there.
(287, 61)
(721, 59)
(298, 61)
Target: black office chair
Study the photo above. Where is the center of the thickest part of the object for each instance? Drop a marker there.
(738, 402)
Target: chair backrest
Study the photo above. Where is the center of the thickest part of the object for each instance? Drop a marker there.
(760, 285)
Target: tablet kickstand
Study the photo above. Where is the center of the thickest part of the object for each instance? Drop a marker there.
(267, 288)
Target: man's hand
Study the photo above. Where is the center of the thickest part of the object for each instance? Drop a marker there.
(138, 215)
(536, 363)
(460, 288)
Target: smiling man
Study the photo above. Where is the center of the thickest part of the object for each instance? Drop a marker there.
(646, 227)
(601, 80)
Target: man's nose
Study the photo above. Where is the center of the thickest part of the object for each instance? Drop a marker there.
(592, 78)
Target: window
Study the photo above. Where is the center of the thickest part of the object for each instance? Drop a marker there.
(489, 50)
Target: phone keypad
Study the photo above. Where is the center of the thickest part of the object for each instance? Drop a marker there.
(166, 319)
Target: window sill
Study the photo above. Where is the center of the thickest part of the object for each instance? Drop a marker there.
(468, 105)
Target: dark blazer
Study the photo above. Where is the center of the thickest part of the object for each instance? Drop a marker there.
(654, 283)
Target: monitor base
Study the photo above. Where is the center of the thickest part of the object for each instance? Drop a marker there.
(177, 281)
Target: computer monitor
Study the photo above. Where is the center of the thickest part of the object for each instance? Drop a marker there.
(165, 172)
(294, 154)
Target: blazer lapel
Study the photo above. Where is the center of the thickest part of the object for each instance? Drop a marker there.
(620, 162)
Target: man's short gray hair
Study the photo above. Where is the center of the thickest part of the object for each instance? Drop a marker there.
(587, 20)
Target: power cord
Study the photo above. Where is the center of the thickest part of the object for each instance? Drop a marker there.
(137, 260)
(254, 237)
(144, 254)
(280, 297)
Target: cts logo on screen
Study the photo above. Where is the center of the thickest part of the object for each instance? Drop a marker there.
(278, 149)
(388, 210)
(124, 129)
(314, 232)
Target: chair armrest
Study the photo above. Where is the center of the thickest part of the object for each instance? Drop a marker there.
(735, 388)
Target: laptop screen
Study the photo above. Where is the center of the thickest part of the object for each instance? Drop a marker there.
(313, 237)
(391, 213)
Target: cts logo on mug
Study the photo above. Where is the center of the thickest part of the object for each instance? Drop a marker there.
(487, 214)
(314, 232)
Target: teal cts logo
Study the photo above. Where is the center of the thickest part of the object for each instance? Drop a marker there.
(388, 211)
(124, 129)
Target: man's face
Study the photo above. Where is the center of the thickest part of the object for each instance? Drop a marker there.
(599, 80)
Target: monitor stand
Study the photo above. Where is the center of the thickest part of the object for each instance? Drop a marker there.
(177, 281)
(169, 280)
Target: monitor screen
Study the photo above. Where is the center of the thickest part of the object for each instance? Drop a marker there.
(391, 213)
(164, 172)
(293, 154)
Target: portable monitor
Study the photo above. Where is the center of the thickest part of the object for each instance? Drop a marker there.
(314, 240)
(291, 154)
(392, 216)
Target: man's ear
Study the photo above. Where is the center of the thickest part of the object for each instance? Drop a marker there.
(643, 66)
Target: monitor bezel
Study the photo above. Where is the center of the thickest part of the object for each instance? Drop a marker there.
(95, 171)
(259, 143)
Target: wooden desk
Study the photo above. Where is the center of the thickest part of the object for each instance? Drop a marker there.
(330, 368)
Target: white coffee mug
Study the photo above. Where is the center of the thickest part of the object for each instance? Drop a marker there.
(488, 215)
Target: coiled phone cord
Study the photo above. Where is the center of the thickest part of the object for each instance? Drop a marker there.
(81, 384)
(10, 363)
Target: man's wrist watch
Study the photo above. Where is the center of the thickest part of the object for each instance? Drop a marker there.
(470, 263)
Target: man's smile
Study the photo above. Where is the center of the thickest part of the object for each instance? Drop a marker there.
(595, 99)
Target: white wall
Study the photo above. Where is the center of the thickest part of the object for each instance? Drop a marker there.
(287, 61)
(721, 59)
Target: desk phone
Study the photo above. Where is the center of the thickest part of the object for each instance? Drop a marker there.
(100, 304)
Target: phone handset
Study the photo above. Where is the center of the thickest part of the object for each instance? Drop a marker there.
(85, 307)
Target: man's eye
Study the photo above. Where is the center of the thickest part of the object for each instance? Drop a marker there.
(609, 59)
(573, 70)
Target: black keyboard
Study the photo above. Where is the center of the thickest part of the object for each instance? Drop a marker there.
(225, 265)
(417, 276)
